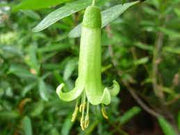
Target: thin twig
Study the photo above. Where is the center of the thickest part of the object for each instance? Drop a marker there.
(156, 60)
(129, 88)
(139, 101)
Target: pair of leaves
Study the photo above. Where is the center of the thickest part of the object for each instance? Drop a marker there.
(107, 16)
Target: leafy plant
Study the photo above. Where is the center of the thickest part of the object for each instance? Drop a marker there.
(140, 49)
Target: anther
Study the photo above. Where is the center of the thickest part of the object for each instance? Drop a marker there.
(104, 112)
(86, 123)
(82, 123)
(82, 107)
(74, 115)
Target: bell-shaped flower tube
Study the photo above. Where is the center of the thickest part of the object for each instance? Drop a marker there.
(89, 84)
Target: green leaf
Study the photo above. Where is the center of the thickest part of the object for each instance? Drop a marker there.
(67, 125)
(43, 90)
(175, 50)
(27, 88)
(108, 16)
(53, 48)
(111, 14)
(69, 68)
(20, 71)
(177, 11)
(143, 46)
(37, 109)
(31, 14)
(9, 51)
(169, 91)
(178, 120)
(171, 33)
(129, 115)
(60, 13)
(150, 11)
(141, 61)
(32, 60)
(57, 76)
(9, 115)
(166, 126)
(54, 131)
(26, 122)
(37, 4)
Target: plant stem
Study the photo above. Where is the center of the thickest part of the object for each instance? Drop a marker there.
(156, 60)
(93, 2)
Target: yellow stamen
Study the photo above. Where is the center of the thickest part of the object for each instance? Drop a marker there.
(104, 112)
(82, 107)
(82, 123)
(82, 110)
(74, 115)
(86, 123)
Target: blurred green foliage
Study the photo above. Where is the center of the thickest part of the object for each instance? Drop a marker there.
(140, 50)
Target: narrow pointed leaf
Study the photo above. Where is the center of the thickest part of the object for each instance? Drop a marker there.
(111, 14)
(108, 16)
(67, 125)
(166, 126)
(69, 68)
(38, 4)
(43, 90)
(27, 127)
(20, 71)
(129, 115)
(60, 13)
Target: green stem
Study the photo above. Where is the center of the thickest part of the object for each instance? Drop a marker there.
(93, 2)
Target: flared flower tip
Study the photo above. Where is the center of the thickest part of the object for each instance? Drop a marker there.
(105, 97)
(59, 88)
(70, 95)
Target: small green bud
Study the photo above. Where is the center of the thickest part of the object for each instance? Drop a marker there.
(92, 17)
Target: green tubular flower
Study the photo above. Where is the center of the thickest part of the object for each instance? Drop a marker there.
(88, 84)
